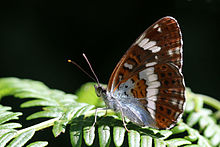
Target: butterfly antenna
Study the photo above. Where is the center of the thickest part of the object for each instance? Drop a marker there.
(70, 61)
(90, 66)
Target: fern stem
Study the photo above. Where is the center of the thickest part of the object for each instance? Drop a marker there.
(210, 101)
(38, 127)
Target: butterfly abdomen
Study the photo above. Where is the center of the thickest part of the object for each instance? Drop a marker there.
(136, 113)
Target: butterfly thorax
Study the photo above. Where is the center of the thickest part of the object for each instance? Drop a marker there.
(110, 101)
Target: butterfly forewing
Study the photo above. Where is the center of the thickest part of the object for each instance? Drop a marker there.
(150, 71)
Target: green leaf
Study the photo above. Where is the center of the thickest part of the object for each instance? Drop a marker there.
(192, 137)
(203, 142)
(59, 126)
(38, 144)
(11, 125)
(4, 108)
(86, 94)
(214, 103)
(33, 103)
(4, 131)
(4, 117)
(6, 138)
(22, 139)
(104, 136)
(76, 135)
(204, 121)
(209, 131)
(165, 133)
(215, 140)
(198, 104)
(190, 105)
(34, 89)
(118, 135)
(192, 145)
(133, 138)
(193, 118)
(179, 129)
(48, 114)
(178, 142)
(83, 110)
(159, 143)
(15, 86)
(89, 135)
(146, 141)
(201, 128)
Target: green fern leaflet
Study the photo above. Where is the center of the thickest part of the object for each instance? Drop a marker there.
(199, 126)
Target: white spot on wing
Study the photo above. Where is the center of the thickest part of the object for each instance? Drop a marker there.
(152, 98)
(159, 29)
(145, 74)
(154, 84)
(120, 77)
(170, 52)
(151, 104)
(156, 25)
(152, 77)
(152, 113)
(143, 42)
(149, 70)
(149, 45)
(124, 89)
(182, 92)
(129, 66)
(174, 101)
(177, 50)
(180, 104)
(155, 49)
(151, 64)
(176, 114)
(152, 92)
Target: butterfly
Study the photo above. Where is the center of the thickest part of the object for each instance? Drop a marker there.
(147, 85)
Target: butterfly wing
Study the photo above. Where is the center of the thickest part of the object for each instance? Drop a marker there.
(150, 71)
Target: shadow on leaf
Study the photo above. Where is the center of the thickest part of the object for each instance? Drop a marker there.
(111, 122)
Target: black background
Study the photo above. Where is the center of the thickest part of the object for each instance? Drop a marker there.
(37, 37)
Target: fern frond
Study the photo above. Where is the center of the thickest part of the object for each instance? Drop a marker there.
(56, 104)
(8, 130)
(199, 125)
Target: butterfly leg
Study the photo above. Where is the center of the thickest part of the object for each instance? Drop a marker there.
(123, 120)
(96, 114)
(125, 125)
(106, 109)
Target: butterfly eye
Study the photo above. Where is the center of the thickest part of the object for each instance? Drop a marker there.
(98, 94)
(98, 90)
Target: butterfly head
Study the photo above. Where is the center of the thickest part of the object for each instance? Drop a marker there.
(100, 91)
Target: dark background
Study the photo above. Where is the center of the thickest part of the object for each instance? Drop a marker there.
(37, 38)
